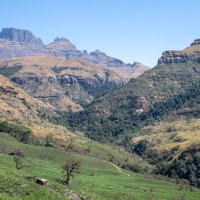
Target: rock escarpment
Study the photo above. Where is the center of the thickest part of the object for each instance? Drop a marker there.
(18, 35)
(65, 83)
(189, 54)
(17, 42)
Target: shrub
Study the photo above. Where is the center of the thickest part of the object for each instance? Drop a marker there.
(19, 132)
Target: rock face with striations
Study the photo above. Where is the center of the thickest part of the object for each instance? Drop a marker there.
(189, 54)
(65, 83)
(16, 42)
(19, 35)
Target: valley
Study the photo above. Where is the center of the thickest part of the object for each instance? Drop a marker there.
(132, 132)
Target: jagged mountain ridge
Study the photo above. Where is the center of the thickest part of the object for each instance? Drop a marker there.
(65, 83)
(16, 42)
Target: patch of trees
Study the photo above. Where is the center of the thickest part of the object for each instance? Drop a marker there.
(19, 132)
(154, 157)
(123, 121)
(182, 169)
(134, 168)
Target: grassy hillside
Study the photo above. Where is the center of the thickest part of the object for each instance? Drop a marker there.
(98, 179)
(18, 107)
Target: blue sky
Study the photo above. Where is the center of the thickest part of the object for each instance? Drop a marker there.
(131, 30)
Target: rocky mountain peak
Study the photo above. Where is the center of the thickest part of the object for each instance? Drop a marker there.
(62, 39)
(18, 43)
(18, 35)
(97, 53)
(196, 42)
(137, 64)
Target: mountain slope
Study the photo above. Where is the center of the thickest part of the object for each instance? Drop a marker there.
(17, 106)
(98, 179)
(65, 83)
(144, 100)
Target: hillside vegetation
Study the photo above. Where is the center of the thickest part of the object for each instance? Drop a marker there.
(144, 100)
(66, 84)
(18, 107)
(99, 178)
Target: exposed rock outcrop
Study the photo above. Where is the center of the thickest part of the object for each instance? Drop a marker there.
(189, 54)
(196, 42)
(16, 42)
(18, 106)
(65, 83)
(19, 35)
(61, 47)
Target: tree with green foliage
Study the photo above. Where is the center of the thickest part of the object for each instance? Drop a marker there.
(49, 140)
(70, 167)
(141, 147)
(19, 156)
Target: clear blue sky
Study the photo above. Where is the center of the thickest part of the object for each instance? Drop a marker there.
(131, 30)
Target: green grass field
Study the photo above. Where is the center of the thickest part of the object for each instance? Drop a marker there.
(98, 179)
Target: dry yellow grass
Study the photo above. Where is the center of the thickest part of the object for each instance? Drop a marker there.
(191, 49)
(42, 66)
(13, 109)
(58, 80)
(186, 130)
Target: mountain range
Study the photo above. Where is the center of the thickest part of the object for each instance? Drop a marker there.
(17, 42)
(61, 94)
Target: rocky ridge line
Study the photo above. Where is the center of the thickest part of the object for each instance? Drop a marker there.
(189, 54)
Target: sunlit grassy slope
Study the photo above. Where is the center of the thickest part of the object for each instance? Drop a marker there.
(166, 135)
(98, 180)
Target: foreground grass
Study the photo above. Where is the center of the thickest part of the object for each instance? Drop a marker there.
(98, 180)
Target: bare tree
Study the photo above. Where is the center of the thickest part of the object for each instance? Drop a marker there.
(70, 168)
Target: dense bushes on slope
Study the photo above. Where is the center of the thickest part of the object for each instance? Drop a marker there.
(182, 169)
(21, 133)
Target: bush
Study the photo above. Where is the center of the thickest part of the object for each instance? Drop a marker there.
(133, 167)
(19, 132)
(141, 147)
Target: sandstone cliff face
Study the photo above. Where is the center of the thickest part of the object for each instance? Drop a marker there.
(19, 35)
(191, 53)
(64, 83)
(16, 42)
